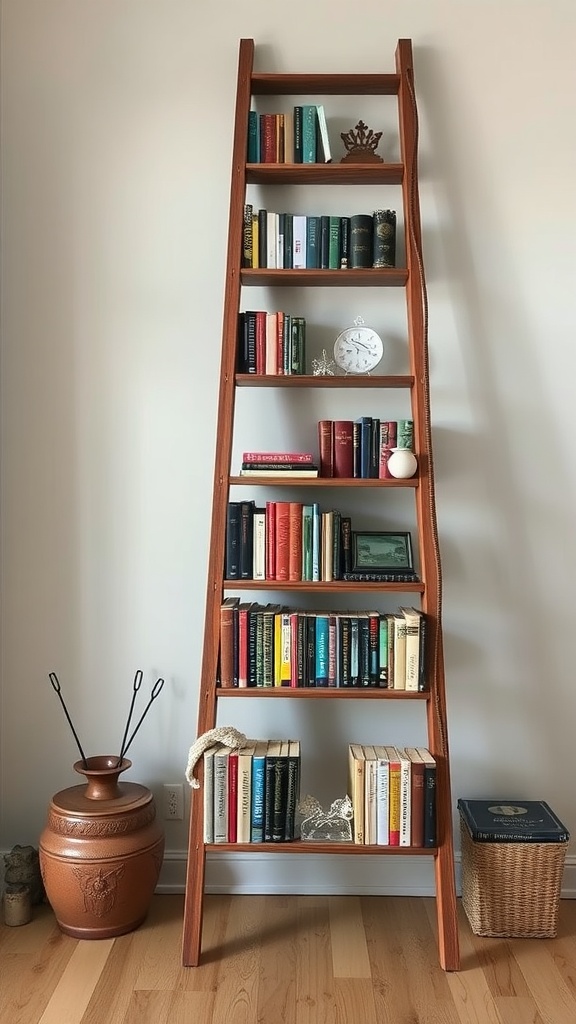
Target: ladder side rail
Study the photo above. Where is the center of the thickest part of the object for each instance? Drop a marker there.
(426, 511)
(195, 872)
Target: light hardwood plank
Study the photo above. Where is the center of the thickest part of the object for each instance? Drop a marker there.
(392, 995)
(272, 960)
(551, 994)
(354, 1000)
(469, 987)
(113, 993)
(315, 996)
(33, 959)
(237, 979)
(277, 970)
(148, 1007)
(348, 938)
(74, 990)
(518, 1010)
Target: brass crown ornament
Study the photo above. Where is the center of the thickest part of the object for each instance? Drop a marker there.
(361, 144)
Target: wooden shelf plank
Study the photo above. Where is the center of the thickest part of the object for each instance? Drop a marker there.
(302, 380)
(324, 174)
(298, 846)
(336, 586)
(317, 481)
(320, 693)
(324, 84)
(388, 277)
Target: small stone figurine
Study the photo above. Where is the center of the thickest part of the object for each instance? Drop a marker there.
(22, 867)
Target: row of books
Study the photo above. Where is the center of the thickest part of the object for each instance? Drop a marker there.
(270, 645)
(393, 793)
(298, 542)
(286, 241)
(251, 793)
(299, 137)
(271, 343)
(361, 448)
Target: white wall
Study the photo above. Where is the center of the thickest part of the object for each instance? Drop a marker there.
(116, 139)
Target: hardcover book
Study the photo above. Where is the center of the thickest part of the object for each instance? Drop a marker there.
(512, 821)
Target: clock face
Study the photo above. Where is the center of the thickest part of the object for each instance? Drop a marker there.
(358, 350)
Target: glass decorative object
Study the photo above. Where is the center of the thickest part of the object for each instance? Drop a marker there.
(333, 825)
(323, 367)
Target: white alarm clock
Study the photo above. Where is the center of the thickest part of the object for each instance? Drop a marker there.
(358, 349)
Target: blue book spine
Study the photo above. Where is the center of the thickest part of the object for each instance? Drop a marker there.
(258, 795)
(322, 648)
(365, 425)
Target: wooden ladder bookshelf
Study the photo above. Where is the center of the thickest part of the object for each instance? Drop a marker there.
(429, 590)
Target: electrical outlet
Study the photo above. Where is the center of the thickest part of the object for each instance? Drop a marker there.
(174, 801)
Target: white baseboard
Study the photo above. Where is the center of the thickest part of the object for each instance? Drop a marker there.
(273, 874)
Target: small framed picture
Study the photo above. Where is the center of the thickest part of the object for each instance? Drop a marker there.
(381, 551)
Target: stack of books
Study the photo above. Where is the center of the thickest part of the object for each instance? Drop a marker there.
(393, 793)
(294, 465)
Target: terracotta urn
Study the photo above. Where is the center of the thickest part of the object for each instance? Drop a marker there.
(101, 852)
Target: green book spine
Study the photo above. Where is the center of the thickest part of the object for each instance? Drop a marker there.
(312, 242)
(307, 543)
(253, 155)
(334, 243)
(405, 434)
(298, 354)
(361, 232)
(324, 242)
(309, 133)
(383, 653)
(384, 238)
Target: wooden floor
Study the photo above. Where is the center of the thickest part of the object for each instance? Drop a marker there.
(287, 960)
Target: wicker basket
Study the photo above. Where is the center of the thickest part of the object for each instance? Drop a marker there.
(511, 889)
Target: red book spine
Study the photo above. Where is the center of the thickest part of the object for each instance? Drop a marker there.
(295, 551)
(268, 134)
(233, 796)
(260, 342)
(270, 531)
(303, 457)
(326, 447)
(227, 645)
(282, 540)
(388, 435)
(343, 448)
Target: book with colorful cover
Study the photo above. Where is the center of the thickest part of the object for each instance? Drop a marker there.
(512, 821)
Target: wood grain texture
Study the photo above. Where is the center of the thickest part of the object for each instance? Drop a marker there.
(289, 959)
